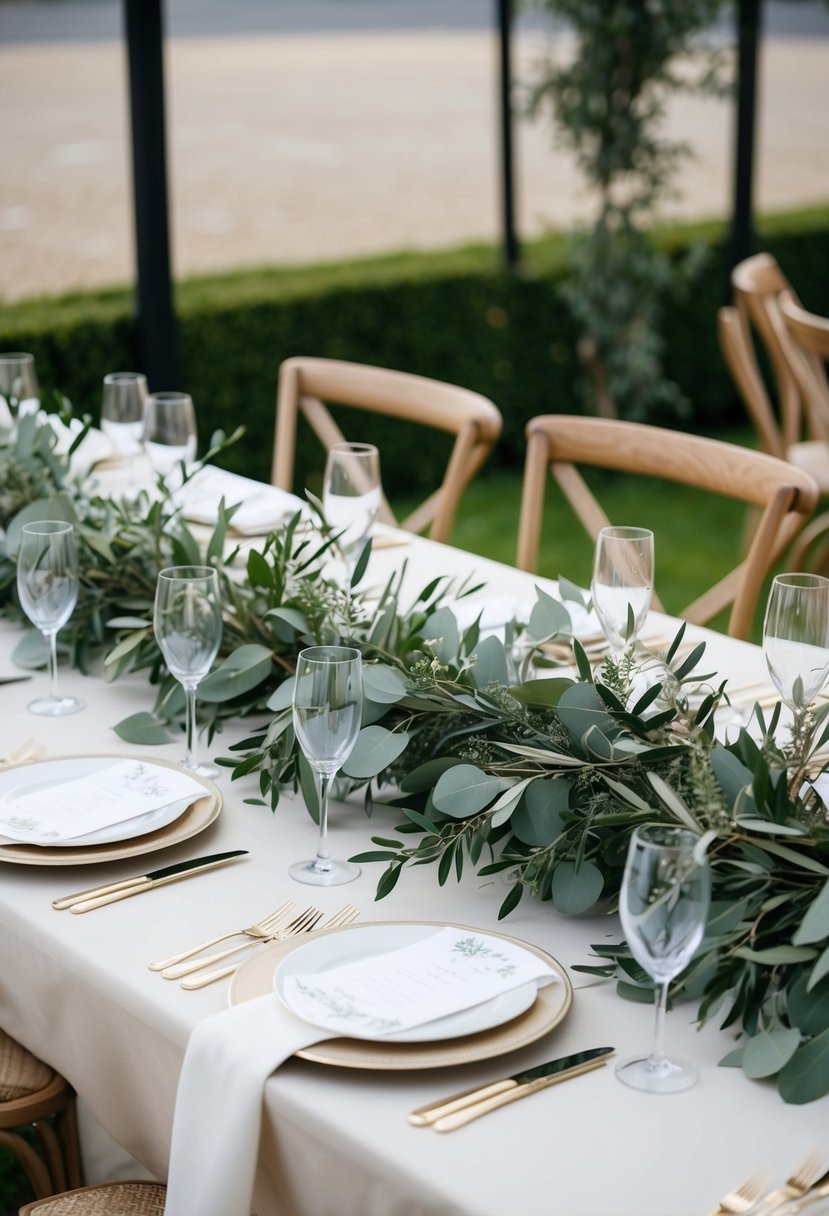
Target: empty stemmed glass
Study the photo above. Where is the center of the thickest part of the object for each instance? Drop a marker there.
(122, 415)
(796, 637)
(19, 389)
(170, 436)
(327, 705)
(622, 583)
(351, 497)
(663, 906)
(47, 585)
(188, 628)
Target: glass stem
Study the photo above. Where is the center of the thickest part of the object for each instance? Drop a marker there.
(190, 754)
(323, 860)
(658, 1051)
(52, 635)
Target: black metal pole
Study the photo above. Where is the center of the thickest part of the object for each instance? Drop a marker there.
(741, 239)
(154, 305)
(510, 240)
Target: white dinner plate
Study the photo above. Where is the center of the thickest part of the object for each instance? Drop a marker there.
(28, 778)
(370, 941)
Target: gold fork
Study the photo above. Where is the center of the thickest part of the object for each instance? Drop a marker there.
(27, 753)
(345, 916)
(259, 929)
(741, 1198)
(805, 1176)
(304, 923)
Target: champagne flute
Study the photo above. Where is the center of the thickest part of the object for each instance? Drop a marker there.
(663, 905)
(622, 582)
(170, 435)
(122, 415)
(47, 585)
(188, 628)
(351, 496)
(327, 705)
(796, 637)
(19, 390)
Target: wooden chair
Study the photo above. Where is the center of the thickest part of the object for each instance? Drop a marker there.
(103, 1199)
(799, 429)
(305, 383)
(31, 1094)
(561, 442)
(808, 336)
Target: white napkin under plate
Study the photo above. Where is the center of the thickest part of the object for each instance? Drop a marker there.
(230, 1056)
(263, 507)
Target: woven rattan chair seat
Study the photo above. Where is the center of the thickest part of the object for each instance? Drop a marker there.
(21, 1073)
(105, 1199)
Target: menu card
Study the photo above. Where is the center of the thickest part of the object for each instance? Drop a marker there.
(47, 811)
(449, 971)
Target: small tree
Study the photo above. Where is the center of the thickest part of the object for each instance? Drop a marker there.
(608, 102)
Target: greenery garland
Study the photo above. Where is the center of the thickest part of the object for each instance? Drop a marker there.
(480, 762)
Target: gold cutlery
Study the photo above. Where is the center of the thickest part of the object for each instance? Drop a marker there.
(345, 916)
(301, 924)
(741, 1199)
(462, 1108)
(27, 753)
(806, 1176)
(820, 1190)
(264, 930)
(254, 930)
(97, 897)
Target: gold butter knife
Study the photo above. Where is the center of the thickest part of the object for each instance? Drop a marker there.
(96, 897)
(509, 1089)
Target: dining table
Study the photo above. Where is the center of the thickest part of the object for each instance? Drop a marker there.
(336, 1138)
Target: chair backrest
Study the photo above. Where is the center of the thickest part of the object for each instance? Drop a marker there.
(759, 285)
(809, 337)
(305, 384)
(561, 442)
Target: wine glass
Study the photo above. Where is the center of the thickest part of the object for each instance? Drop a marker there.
(122, 415)
(188, 628)
(328, 702)
(663, 905)
(19, 389)
(169, 434)
(622, 582)
(796, 637)
(351, 496)
(47, 585)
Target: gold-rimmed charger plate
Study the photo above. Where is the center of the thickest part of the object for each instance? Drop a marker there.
(255, 978)
(198, 816)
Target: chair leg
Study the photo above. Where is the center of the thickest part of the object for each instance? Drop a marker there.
(33, 1165)
(66, 1126)
(52, 1154)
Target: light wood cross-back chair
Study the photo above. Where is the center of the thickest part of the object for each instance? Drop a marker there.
(305, 384)
(799, 428)
(33, 1095)
(560, 443)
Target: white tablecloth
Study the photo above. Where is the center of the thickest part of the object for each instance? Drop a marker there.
(76, 990)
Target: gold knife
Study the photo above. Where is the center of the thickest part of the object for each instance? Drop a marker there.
(96, 897)
(461, 1108)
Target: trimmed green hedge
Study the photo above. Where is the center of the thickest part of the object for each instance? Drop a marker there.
(452, 315)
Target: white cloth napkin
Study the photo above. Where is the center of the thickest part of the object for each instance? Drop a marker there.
(219, 1104)
(263, 507)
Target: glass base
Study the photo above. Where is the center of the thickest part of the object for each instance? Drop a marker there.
(665, 1076)
(327, 874)
(54, 707)
(202, 768)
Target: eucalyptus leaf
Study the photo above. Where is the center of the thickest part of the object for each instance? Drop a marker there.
(32, 651)
(464, 790)
(538, 820)
(490, 663)
(384, 684)
(142, 728)
(442, 629)
(376, 748)
(815, 924)
(767, 1051)
(575, 890)
(806, 1075)
(580, 707)
(241, 671)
